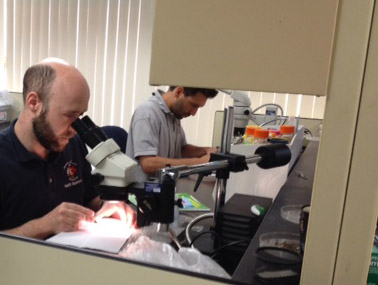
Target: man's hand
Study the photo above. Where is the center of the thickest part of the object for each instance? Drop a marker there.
(204, 159)
(191, 155)
(118, 210)
(66, 218)
(211, 150)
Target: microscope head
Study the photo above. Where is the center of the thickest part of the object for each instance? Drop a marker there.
(113, 170)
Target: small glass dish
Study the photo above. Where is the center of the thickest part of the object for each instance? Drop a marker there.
(291, 213)
(284, 240)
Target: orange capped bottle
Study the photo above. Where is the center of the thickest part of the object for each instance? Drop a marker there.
(287, 132)
(249, 134)
(261, 136)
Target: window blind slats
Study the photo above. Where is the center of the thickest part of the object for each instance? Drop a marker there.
(101, 67)
(204, 124)
(115, 69)
(26, 34)
(3, 45)
(54, 31)
(281, 100)
(71, 31)
(119, 92)
(141, 90)
(319, 107)
(265, 99)
(110, 41)
(63, 41)
(43, 30)
(17, 47)
(306, 106)
(292, 103)
(81, 48)
(89, 53)
(130, 59)
(107, 54)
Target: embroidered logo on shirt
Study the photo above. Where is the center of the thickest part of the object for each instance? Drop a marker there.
(71, 171)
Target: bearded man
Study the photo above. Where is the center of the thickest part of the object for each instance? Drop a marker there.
(156, 138)
(45, 180)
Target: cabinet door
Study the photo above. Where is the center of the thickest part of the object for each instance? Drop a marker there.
(275, 46)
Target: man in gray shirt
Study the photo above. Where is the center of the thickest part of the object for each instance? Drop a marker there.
(156, 138)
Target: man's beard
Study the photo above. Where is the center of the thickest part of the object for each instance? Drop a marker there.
(177, 110)
(44, 133)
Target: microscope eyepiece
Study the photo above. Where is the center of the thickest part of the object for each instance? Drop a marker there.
(89, 133)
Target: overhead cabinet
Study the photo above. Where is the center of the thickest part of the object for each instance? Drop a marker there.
(273, 46)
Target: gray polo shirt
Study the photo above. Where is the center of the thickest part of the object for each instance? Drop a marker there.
(154, 131)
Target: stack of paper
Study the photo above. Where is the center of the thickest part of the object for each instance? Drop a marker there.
(106, 235)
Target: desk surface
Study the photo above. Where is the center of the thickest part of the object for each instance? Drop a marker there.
(296, 191)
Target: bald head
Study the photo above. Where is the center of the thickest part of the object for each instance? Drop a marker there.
(38, 78)
(55, 95)
(41, 77)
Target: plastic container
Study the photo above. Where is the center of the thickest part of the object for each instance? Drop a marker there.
(284, 240)
(273, 133)
(4, 113)
(291, 213)
(6, 103)
(261, 136)
(277, 266)
(248, 137)
(291, 120)
(249, 134)
(287, 132)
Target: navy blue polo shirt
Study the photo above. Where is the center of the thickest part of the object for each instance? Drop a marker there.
(31, 187)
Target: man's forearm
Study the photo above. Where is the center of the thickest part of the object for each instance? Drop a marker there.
(151, 165)
(33, 229)
(191, 151)
(66, 217)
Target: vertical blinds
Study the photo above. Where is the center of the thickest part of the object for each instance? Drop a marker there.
(109, 41)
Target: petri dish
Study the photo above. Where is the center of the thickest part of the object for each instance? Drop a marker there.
(284, 240)
(291, 213)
